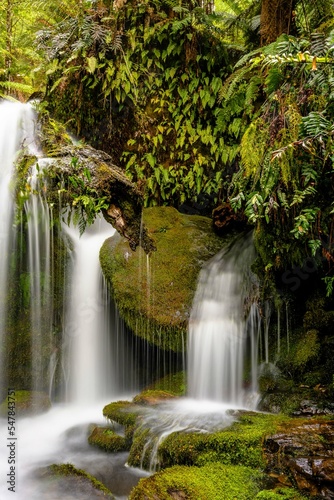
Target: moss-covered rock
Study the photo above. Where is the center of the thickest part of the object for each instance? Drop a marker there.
(63, 479)
(173, 383)
(214, 481)
(154, 293)
(25, 403)
(107, 439)
(241, 443)
(152, 397)
(122, 412)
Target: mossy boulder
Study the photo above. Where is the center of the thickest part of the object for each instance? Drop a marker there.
(173, 383)
(152, 397)
(125, 414)
(214, 481)
(122, 412)
(107, 439)
(154, 293)
(239, 444)
(64, 479)
(26, 403)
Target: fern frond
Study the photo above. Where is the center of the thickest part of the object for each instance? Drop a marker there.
(231, 82)
(274, 79)
(315, 124)
(319, 44)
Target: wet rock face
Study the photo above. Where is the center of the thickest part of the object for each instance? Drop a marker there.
(225, 219)
(304, 450)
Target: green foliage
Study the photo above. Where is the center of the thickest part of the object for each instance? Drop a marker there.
(286, 151)
(22, 68)
(174, 383)
(166, 69)
(85, 202)
(329, 282)
(122, 412)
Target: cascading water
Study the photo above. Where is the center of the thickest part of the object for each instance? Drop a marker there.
(39, 275)
(218, 328)
(219, 336)
(49, 342)
(16, 132)
(91, 375)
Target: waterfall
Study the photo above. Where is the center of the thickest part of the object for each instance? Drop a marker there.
(86, 327)
(39, 273)
(218, 328)
(16, 132)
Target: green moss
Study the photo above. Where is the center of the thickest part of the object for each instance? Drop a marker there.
(302, 355)
(152, 397)
(81, 477)
(154, 294)
(140, 451)
(280, 494)
(214, 482)
(26, 403)
(241, 443)
(108, 440)
(122, 412)
(174, 383)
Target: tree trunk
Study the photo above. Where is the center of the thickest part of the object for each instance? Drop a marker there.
(9, 38)
(276, 18)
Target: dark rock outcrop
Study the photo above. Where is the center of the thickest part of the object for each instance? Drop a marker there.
(225, 219)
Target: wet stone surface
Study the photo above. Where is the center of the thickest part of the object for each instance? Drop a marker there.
(304, 451)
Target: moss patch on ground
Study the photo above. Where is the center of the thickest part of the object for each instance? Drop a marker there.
(280, 494)
(154, 293)
(213, 481)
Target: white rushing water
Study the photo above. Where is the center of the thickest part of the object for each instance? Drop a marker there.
(16, 132)
(56, 437)
(39, 273)
(60, 435)
(86, 328)
(218, 329)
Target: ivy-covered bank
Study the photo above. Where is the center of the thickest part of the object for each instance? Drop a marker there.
(154, 292)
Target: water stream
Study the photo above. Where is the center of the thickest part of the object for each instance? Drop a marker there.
(78, 350)
(219, 329)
